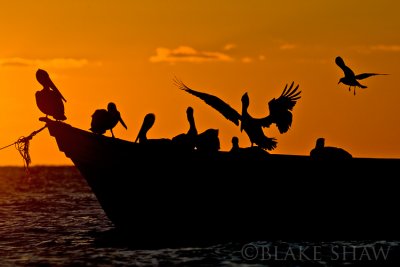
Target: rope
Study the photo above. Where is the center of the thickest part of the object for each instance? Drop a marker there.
(22, 145)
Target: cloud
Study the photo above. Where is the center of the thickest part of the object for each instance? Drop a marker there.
(188, 54)
(228, 47)
(247, 60)
(376, 48)
(55, 62)
(386, 48)
(287, 46)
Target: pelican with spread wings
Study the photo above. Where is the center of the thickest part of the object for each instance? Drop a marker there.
(279, 113)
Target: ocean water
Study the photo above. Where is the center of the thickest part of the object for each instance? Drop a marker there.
(53, 219)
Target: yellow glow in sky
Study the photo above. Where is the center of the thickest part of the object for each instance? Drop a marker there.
(129, 51)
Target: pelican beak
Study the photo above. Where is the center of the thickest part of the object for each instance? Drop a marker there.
(123, 123)
(339, 82)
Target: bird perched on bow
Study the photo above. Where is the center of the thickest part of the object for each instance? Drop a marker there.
(103, 120)
(350, 78)
(279, 113)
(49, 100)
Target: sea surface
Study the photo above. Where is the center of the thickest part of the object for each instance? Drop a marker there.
(51, 218)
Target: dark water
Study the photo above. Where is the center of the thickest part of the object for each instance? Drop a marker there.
(53, 219)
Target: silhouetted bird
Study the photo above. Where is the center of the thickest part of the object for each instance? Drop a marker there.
(206, 141)
(49, 100)
(103, 120)
(252, 153)
(279, 113)
(187, 140)
(235, 145)
(322, 152)
(158, 144)
(350, 78)
(148, 122)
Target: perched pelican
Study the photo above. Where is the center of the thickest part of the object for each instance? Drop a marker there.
(247, 152)
(350, 78)
(322, 152)
(206, 141)
(187, 140)
(235, 145)
(103, 120)
(279, 114)
(141, 138)
(148, 122)
(49, 100)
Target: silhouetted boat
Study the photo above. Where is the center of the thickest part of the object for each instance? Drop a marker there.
(163, 196)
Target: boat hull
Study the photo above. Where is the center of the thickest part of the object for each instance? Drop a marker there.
(161, 195)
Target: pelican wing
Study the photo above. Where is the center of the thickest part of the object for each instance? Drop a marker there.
(55, 89)
(280, 109)
(366, 75)
(227, 111)
(347, 71)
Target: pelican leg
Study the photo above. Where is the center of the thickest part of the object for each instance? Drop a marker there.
(349, 88)
(354, 90)
(112, 133)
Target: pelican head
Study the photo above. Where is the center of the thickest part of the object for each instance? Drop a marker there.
(43, 78)
(189, 111)
(320, 143)
(245, 100)
(111, 107)
(235, 142)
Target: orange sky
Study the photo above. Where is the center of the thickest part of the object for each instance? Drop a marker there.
(129, 51)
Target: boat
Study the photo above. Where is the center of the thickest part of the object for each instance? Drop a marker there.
(162, 195)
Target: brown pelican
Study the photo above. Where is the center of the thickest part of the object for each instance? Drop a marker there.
(103, 120)
(148, 122)
(279, 113)
(206, 141)
(187, 140)
(350, 78)
(49, 100)
(322, 152)
(141, 138)
(254, 152)
(235, 145)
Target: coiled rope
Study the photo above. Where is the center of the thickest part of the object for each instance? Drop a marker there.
(22, 145)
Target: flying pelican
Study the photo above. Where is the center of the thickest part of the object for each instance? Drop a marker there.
(350, 78)
(103, 120)
(279, 113)
(49, 100)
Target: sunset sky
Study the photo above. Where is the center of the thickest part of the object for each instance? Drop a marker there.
(129, 51)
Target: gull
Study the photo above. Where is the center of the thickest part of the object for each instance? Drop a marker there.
(350, 78)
